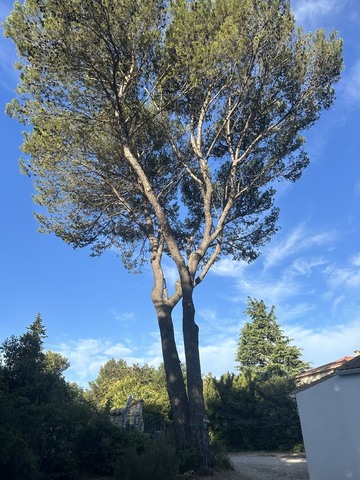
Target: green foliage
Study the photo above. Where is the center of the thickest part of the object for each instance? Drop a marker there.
(18, 461)
(263, 347)
(157, 461)
(188, 459)
(99, 445)
(56, 363)
(277, 416)
(117, 381)
(148, 104)
(47, 429)
(219, 456)
(33, 399)
(255, 410)
(253, 413)
(232, 413)
(22, 359)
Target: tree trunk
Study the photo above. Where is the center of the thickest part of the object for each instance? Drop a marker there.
(198, 419)
(174, 377)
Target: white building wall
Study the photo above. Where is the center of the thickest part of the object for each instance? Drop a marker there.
(330, 422)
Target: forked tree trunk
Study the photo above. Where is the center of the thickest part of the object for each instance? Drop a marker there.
(174, 378)
(187, 406)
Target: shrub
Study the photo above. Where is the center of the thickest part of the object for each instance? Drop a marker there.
(158, 461)
(188, 459)
(16, 458)
(100, 443)
(219, 457)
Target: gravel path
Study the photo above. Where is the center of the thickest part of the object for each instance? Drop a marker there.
(270, 467)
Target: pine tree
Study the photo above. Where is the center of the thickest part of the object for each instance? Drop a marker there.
(160, 127)
(263, 346)
(23, 357)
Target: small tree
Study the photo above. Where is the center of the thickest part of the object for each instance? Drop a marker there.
(160, 128)
(262, 345)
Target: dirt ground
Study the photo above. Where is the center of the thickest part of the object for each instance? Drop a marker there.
(264, 467)
(255, 466)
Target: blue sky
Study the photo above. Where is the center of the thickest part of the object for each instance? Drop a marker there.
(94, 309)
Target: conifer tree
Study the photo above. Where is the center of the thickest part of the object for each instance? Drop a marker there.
(263, 346)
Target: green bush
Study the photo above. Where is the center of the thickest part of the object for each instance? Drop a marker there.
(219, 457)
(253, 412)
(48, 431)
(188, 459)
(16, 459)
(157, 461)
(100, 444)
(298, 448)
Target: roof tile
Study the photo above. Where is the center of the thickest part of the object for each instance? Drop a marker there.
(352, 364)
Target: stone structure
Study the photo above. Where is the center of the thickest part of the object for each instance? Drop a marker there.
(131, 416)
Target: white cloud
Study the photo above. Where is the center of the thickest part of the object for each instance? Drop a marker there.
(228, 268)
(216, 329)
(8, 75)
(305, 266)
(329, 343)
(123, 317)
(287, 314)
(319, 346)
(355, 260)
(207, 314)
(357, 188)
(280, 273)
(171, 274)
(217, 353)
(348, 276)
(300, 287)
(117, 350)
(308, 10)
(284, 248)
(345, 277)
(337, 301)
(299, 239)
(272, 290)
(220, 357)
(87, 355)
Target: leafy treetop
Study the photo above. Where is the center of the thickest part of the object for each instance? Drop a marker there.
(117, 381)
(166, 123)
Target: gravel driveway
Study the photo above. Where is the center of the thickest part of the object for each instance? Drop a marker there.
(270, 467)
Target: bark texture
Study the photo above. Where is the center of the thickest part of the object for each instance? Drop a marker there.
(174, 378)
